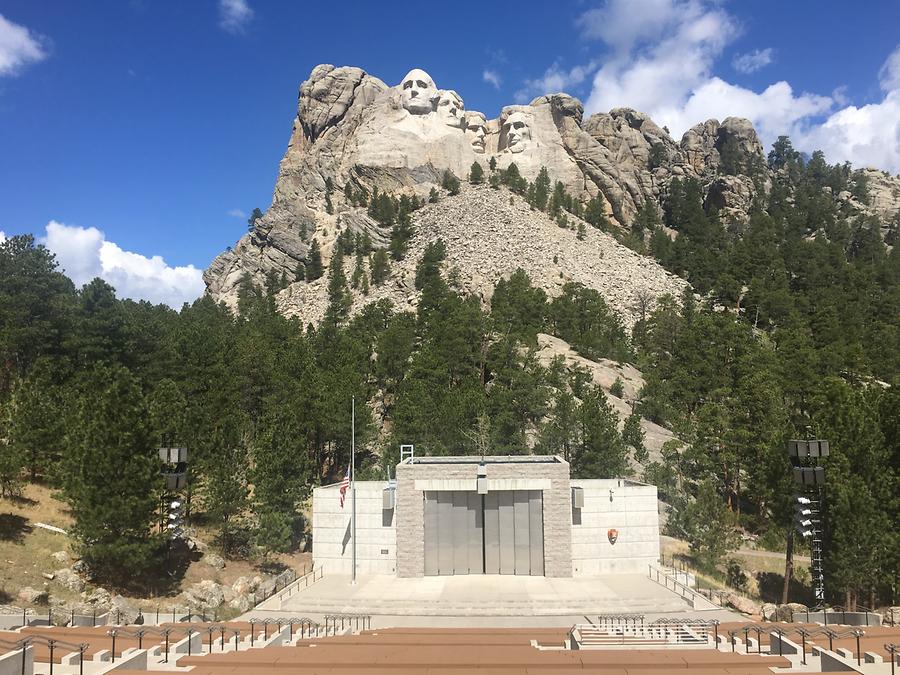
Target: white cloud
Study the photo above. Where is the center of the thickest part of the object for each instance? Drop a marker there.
(84, 253)
(661, 61)
(492, 77)
(555, 80)
(889, 75)
(2, 236)
(752, 61)
(864, 136)
(19, 47)
(234, 15)
(237, 213)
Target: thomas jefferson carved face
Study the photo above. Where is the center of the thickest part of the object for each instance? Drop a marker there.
(418, 92)
(451, 109)
(518, 133)
(475, 130)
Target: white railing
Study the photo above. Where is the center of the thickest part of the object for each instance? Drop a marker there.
(588, 636)
(664, 578)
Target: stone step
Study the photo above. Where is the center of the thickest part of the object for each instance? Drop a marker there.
(496, 608)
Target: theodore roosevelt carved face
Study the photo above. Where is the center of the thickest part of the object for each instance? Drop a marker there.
(418, 92)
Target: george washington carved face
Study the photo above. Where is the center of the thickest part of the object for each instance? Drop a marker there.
(418, 92)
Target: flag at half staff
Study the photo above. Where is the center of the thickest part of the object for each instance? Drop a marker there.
(344, 485)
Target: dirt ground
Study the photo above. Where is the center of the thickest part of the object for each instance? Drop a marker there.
(26, 553)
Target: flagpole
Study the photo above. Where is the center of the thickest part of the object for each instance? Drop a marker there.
(353, 483)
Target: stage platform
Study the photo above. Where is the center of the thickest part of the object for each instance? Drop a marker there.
(481, 599)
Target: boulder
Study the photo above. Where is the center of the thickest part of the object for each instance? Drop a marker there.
(68, 578)
(264, 589)
(123, 611)
(205, 594)
(791, 612)
(241, 603)
(768, 611)
(61, 557)
(34, 596)
(245, 585)
(741, 603)
(213, 560)
(99, 599)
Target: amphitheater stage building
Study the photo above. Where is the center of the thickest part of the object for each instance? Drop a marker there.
(506, 515)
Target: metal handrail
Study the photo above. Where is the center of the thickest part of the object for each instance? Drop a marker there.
(676, 585)
(52, 643)
(305, 579)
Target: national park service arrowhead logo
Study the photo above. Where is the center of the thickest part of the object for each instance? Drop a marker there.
(613, 535)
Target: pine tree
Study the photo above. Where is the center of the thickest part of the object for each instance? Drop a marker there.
(314, 268)
(251, 221)
(225, 491)
(450, 182)
(710, 527)
(358, 271)
(594, 214)
(493, 164)
(339, 298)
(633, 436)
(380, 267)
(476, 174)
(541, 189)
(600, 452)
(110, 476)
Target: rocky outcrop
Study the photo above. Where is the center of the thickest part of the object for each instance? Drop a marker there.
(352, 131)
(488, 235)
(604, 373)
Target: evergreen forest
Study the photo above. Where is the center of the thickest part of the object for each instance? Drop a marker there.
(793, 332)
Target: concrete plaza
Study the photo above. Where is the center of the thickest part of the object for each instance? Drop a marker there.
(482, 600)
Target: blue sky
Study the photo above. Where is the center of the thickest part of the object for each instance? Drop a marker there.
(133, 128)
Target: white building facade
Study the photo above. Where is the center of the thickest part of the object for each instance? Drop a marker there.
(518, 515)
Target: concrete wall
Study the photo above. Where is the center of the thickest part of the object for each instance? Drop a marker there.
(630, 508)
(448, 474)
(11, 662)
(376, 546)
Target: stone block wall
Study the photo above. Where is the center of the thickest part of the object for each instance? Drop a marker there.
(413, 479)
(376, 548)
(630, 508)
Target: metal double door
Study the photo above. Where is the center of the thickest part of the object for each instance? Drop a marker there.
(501, 532)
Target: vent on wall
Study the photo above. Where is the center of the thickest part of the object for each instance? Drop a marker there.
(577, 498)
(388, 497)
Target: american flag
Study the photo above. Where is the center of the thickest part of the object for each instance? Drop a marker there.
(344, 485)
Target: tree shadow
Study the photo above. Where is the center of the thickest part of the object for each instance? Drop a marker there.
(22, 500)
(13, 527)
(272, 566)
(165, 577)
(771, 586)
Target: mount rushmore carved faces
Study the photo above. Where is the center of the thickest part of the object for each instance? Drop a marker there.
(517, 132)
(419, 92)
(476, 124)
(451, 109)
